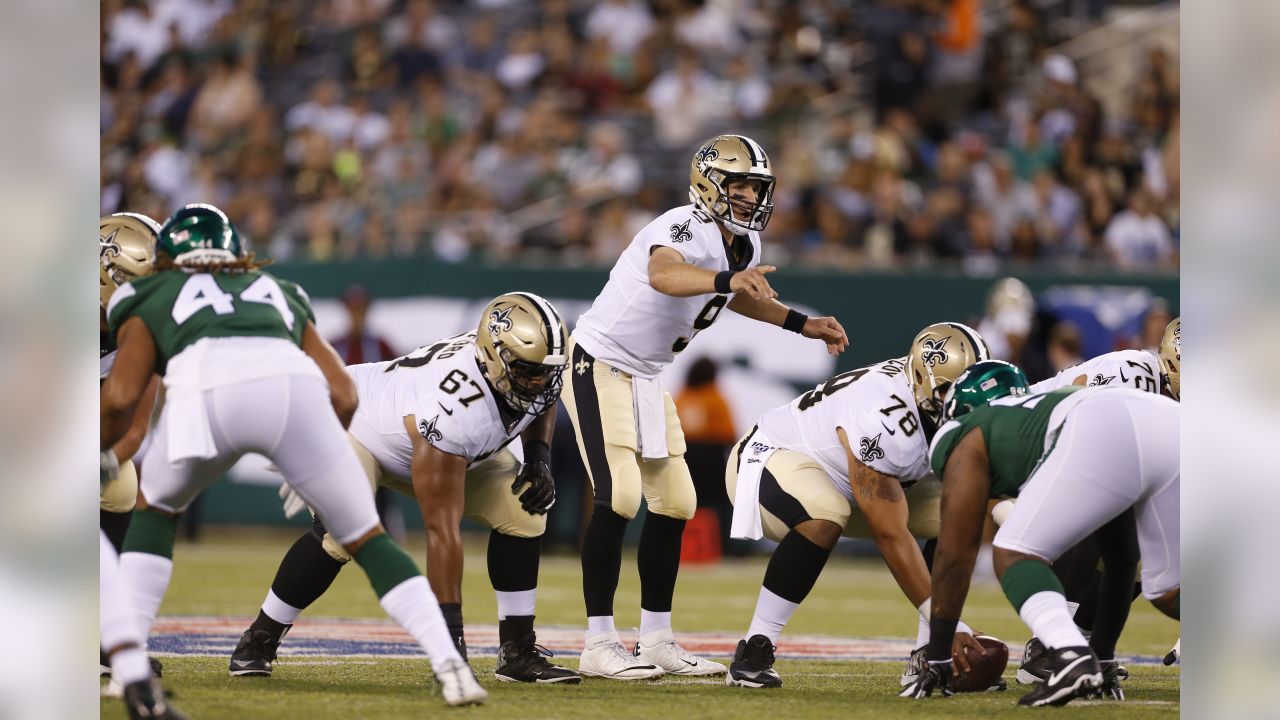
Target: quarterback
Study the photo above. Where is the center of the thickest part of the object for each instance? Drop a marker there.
(1076, 458)
(436, 425)
(673, 280)
(848, 457)
(245, 371)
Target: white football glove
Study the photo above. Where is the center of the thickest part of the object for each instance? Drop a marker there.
(293, 502)
(1000, 511)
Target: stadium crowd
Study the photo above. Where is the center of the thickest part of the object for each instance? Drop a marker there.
(904, 132)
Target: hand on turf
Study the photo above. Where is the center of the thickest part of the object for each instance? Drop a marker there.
(936, 675)
(1112, 677)
(828, 330)
(293, 502)
(541, 494)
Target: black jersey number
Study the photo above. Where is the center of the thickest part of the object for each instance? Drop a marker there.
(908, 422)
(710, 312)
(836, 383)
(453, 382)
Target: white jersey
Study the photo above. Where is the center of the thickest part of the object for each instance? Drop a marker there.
(1138, 369)
(875, 407)
(442, 386)
(638, 329)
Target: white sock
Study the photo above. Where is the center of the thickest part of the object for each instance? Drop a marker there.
(772, 614)
(516, 604)
(922, 633)
(651, 621)
(130, 665)
(148, 577)
(279, 610)
(600, 624)
(414, 607)
(1047, 615)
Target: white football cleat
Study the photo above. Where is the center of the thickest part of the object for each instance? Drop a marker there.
(603, 656)
(660, 648)
(458, 684)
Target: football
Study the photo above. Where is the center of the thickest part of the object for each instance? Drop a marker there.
(986, 669)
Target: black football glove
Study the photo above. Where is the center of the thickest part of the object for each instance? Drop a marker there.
(538, 498)
(453, 620)
(1113, 675)
(936, 675)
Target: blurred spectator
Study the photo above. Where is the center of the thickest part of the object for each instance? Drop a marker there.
(1137, 237)
(683, 100)
(625, 23)
(709, 433)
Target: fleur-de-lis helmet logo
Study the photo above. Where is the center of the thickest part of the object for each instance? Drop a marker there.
(706, 155)
(108, 247)
(870, 449)
(935, 352)
(500, 320)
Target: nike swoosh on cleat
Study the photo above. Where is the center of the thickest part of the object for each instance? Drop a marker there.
(242, 663)
(690, 663)
(1055, 677)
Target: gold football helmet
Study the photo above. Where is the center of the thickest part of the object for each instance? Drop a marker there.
(521, 344)
(722, 160)
(1170, 354)
(126, 250)
(939, 354)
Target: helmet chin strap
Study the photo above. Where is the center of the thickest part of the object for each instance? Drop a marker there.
(735, 229)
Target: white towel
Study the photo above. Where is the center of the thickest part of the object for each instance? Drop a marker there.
(188, 426)
(651, 417)
(746, 498)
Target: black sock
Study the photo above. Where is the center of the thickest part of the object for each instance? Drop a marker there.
(1118, 544)
(602, 559)
(659, 561)
(515, 628)
(266, 624)
(115, 525)
(794, 568)
(930, 547)
(305, 573)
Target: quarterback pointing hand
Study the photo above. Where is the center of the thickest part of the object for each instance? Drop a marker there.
(679, 272)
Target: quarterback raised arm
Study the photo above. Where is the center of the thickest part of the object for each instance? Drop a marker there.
(827, 329)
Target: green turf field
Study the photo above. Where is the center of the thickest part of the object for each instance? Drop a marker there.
(229, 572)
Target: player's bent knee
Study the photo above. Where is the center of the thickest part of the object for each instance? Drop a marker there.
(1003, 558)
(335, 549)
(822, 533)
(532, 527)
(1166, 602)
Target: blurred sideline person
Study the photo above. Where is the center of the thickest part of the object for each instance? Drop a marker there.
(359, 345)
(435, 425)
(245, 371)
(708, 428)
(1010, 310)
(126, 251)
(850, 458)
(1077, 458)
(1156, 372)
(671, 282)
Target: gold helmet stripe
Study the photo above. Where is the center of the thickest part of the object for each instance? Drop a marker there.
(551, 322)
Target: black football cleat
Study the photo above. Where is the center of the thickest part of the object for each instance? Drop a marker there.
(526, 661)
(1075, 673)
(1036, 663)
(145, 700)
(1113, 676)
(752, 665)
(254, 654)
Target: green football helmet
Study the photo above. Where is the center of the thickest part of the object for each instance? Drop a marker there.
(200, 234)
(983, 382)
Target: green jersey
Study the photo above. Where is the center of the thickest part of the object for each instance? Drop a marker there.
(180, 308)
(1018, 432)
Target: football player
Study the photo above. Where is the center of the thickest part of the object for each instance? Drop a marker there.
(126, 251)
(1088, 590)
(436, 425)
(849, 457)
(245, 371)
(671, 282)
(1076, 458)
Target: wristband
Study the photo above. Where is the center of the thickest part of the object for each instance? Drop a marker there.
(536, 450)
(941, 633)
(722, 282)
(795, 321)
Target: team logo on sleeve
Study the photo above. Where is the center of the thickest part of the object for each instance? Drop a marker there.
(680, 232)
(500, 320)
(870, 449)
(1101, 379)
(935, 351)
(429, 431)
